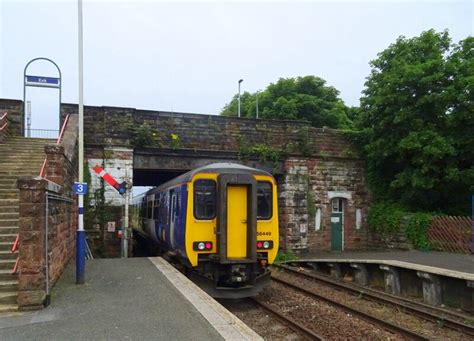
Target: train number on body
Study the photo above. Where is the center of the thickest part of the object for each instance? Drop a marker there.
(264, 233)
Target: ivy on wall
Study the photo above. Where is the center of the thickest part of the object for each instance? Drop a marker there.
(386, 219)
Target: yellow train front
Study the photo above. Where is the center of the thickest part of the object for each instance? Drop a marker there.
(221, 221)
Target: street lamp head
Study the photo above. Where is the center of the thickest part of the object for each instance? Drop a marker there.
(240, 81)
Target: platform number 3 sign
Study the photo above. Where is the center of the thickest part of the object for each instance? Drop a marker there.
(80, 188)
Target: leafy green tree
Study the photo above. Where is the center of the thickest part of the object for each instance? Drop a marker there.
(416, 122)
(303, 98)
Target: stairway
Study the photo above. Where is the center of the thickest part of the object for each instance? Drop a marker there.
(19, 156)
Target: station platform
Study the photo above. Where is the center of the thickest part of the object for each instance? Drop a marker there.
(438, 278)
(127, 299)
(442, 263)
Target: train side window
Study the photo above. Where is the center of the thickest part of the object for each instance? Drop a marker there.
(156, 208)
(149, 209)
(204, 199)
(264, 200)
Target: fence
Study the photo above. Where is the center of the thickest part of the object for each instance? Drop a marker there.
(450, 234)
(42, 133)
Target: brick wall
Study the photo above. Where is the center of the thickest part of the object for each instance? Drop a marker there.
(44, 201)
(15, 115)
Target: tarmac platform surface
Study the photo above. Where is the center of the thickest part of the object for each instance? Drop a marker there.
(126, 299)
(449, 263)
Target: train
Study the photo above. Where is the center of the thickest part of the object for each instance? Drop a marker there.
(220, 221)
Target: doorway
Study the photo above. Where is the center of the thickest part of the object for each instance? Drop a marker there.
(337, 223)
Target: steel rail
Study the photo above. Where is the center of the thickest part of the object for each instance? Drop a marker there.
(412, 307)
(292, 324)
(360, 314)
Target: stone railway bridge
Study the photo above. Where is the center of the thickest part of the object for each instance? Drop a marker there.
(317, 170)
(319, 174)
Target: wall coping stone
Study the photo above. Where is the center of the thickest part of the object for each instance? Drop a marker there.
(37, 183)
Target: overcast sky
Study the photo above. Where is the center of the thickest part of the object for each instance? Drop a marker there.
(188, 56)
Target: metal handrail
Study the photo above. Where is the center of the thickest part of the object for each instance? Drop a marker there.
(63, 128)
(5, 114)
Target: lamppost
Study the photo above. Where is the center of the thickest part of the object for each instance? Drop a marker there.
(238, 102)
(81, 233)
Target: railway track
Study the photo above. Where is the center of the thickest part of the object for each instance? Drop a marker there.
(360, 314)
(439, 316)
(292, 324)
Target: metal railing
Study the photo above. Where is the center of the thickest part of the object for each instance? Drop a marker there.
(63, 128)
(42, 133)
(3, 121)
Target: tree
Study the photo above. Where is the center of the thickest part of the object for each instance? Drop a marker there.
(303, 98)
(416, 122)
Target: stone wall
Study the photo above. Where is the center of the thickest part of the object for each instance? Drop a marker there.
(32, 231)
(310, 184)
(118, 162)
(47, 204)
(15, 115)
(109, 126)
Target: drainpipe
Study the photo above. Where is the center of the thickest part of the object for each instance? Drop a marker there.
(47, 300)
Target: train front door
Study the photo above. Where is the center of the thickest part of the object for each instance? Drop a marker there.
(237, 221)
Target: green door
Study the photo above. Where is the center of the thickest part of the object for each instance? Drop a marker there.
(336, 231)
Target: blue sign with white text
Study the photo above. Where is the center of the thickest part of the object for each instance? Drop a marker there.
(42, 81)
(80, 188)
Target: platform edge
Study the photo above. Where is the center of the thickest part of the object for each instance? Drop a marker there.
(224, 322)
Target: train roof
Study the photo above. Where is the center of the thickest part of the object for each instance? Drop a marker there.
(222, 168)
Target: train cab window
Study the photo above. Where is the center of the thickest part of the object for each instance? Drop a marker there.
(204, 199)
(264, 200)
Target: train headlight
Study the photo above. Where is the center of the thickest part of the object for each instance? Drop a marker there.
(264, 245)
(202, 246)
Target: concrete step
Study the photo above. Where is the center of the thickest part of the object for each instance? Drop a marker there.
(6, 246)
(20, 163)
(9, 186)
(12, 151)
(11, 229)
(8, 222)
(10, 209)
(10, 195)
(9, 202)
(6, 255)
(9, 215)
(17, 174)
(8, 238)
(8, 308)
(8, 298)
(7, 276)
(7, 264)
